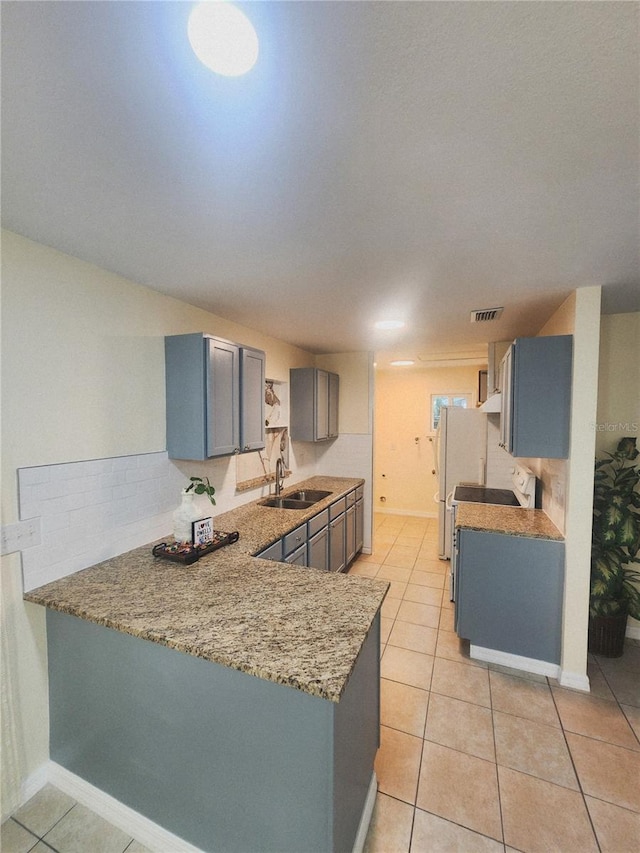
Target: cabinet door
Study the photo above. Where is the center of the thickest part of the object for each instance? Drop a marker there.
(536, 401)
(350, 534)
(506, 379)
(298, 557)
(318, 550)
(337, 543)
(321, 427)
(359, 525)
(223, 397)
(334, 395)
(185, 379)
(509, 593)
(273, 552)
(252, 399)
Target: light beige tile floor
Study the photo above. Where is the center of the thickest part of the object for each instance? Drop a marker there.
(473, 757)
(52, 820)
(476, 757)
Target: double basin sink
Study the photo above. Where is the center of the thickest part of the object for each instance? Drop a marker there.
(302, 499)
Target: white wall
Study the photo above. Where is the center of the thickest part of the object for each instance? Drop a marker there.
(82, 378)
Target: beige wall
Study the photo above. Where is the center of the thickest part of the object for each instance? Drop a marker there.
(353, 369)
(619, 380)
(82, 378)
(619, 389)
(403, 467)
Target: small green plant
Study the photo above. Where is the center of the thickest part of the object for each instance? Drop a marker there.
(202, 486)
(616, 533)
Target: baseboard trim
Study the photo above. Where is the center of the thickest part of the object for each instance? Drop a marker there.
(633, 632)
(367, 811)
(133, 823)
(538, 667)
(145, 831)
(574, 680)
(414, 512)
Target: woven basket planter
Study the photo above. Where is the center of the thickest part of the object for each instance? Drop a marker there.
(606, 634)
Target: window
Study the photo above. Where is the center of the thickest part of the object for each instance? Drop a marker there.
(440, 400)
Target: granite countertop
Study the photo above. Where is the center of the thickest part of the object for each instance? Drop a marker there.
(299, 627)
(514, 521)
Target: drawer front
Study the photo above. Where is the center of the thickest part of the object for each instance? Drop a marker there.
(351, 498)
(318, 522)
(359, 493)
(295, 539)
(337, 508)
(273, 552)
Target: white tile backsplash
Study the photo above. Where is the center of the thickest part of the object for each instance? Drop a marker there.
(90, 511)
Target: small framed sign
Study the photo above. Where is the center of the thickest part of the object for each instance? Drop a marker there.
(202, 531)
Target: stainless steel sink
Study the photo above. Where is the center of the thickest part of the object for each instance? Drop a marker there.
(312, 495)
(286, 503)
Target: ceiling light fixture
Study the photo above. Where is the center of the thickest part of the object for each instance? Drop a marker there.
(389, 324)
(402, 363)
(223, 38)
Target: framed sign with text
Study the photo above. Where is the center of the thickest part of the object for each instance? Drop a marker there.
(202, 531)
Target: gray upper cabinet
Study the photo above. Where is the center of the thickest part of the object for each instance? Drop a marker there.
(536, 397)
(215, 397)
(314, 396)
(252, 419)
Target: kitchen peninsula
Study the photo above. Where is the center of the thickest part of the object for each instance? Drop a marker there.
(234, 702)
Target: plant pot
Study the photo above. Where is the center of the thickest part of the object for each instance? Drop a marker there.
(606, 634)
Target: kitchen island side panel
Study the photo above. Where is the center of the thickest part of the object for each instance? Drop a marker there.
(223, 759)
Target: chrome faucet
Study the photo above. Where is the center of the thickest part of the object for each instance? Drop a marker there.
(279, 474)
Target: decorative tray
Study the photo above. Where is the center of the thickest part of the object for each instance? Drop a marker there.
(186, 553)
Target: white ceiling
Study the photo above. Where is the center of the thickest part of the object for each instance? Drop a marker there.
(413, 159)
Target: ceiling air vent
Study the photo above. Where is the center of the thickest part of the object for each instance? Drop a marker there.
(485, 314)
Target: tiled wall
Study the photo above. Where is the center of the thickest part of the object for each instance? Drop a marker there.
(350, 455)
(90, 511)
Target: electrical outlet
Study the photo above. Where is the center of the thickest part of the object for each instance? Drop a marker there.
(21, 535)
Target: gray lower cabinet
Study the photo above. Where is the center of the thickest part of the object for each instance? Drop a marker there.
(222, 759)
(359, 524)
(329, 540)
(350, 533)
(313, 404)
(536, 397)
(318, 550)
(298, 557)
(509, 593)
(337, 544)
(273, 552)
(214, 397)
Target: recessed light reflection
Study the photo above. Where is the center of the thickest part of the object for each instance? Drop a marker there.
(402, 363)
(223, 38)
(388, 324)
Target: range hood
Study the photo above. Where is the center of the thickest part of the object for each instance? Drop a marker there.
(492, 404)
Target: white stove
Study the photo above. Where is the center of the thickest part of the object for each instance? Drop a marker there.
(523, 492)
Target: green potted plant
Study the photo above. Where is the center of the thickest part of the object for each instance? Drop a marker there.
(615, 590)
(202, 486)
(187, 512)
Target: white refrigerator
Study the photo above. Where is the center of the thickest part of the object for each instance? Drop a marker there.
(462, 458)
